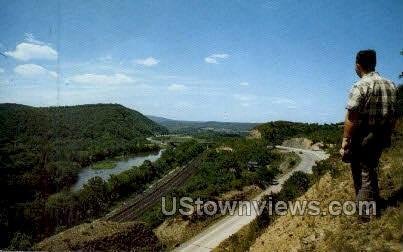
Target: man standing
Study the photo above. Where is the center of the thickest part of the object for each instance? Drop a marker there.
(369, 122)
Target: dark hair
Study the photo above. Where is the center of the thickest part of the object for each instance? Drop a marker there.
(366, 59)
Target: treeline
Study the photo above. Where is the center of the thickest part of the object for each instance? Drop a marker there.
(67, 208)
(276, 132)
(220, 170)
(43, 149)
(194, 127)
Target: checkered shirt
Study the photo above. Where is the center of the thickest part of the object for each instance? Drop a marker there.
(374, 98)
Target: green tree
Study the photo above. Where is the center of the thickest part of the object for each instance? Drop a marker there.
(20, 241)
(295, 186)
(94, 198)
(62, 209)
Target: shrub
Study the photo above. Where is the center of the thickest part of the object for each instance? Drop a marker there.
(20, 241)
(295, 186)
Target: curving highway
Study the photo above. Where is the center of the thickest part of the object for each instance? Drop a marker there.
(212, 236)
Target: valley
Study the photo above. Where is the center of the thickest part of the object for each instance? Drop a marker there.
(126, 185)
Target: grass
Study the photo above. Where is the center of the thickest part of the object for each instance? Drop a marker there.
(176, 230)
(289, 161)
(102, 165)
(102, 236)
(335, 233)
(344, 233)
(242, 240)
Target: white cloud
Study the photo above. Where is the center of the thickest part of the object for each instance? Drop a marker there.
(113, 79)
(215, 58)
(244, 104)
(245, 84)
(176, 87)
(150, 61)
(31, 39)
(220, 56)
(1, 70)
(32, 70)
(27, 51)
(210, 60)
(282, 100)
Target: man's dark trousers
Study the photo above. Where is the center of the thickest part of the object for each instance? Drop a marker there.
(366, 151)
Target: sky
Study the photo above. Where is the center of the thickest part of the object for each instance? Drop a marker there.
(244, 61)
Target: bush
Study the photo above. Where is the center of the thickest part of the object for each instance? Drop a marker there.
(295, 186)
(20, 241)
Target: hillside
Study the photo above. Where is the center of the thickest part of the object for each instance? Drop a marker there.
(189, 127)
(278, 131)
(344, 233)
(46, 138)
(43, 149)
(103, 236)
(81, 121)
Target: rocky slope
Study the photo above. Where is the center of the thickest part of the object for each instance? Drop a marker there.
(103, 236)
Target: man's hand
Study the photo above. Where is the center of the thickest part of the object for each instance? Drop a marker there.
(349, 129)
(345, 150)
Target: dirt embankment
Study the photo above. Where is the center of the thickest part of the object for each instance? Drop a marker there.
(302, 143)
(103, 236)
(177, 230)
(254, 134)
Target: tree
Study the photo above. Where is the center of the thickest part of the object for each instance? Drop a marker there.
(62, 208)
(94, 197)
(20, 241)
(295, 186)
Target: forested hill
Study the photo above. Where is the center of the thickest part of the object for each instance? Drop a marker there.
(82, 121)
(278, 131)
(190, 127)
(43, 149)
(41, 143)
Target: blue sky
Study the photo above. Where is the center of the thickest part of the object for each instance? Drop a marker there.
(196, 60)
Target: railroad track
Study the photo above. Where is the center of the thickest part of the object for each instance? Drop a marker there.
(148, 198)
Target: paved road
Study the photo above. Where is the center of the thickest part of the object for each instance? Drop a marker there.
(215, 234)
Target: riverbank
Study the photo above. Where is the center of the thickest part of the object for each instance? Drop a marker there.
(116, 167)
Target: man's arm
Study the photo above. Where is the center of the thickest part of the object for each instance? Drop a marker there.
(350, 126)
(354, 103)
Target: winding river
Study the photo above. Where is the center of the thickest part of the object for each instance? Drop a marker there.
(122, 165)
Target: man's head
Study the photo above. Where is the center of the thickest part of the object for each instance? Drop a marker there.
(365, 62)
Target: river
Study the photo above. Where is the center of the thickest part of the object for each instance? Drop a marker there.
(122, 165)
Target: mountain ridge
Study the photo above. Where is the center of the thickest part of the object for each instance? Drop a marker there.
(188, 126)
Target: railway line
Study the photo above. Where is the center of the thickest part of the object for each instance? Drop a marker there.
(151, 196)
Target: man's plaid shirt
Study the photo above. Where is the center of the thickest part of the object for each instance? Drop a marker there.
(374, 98)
